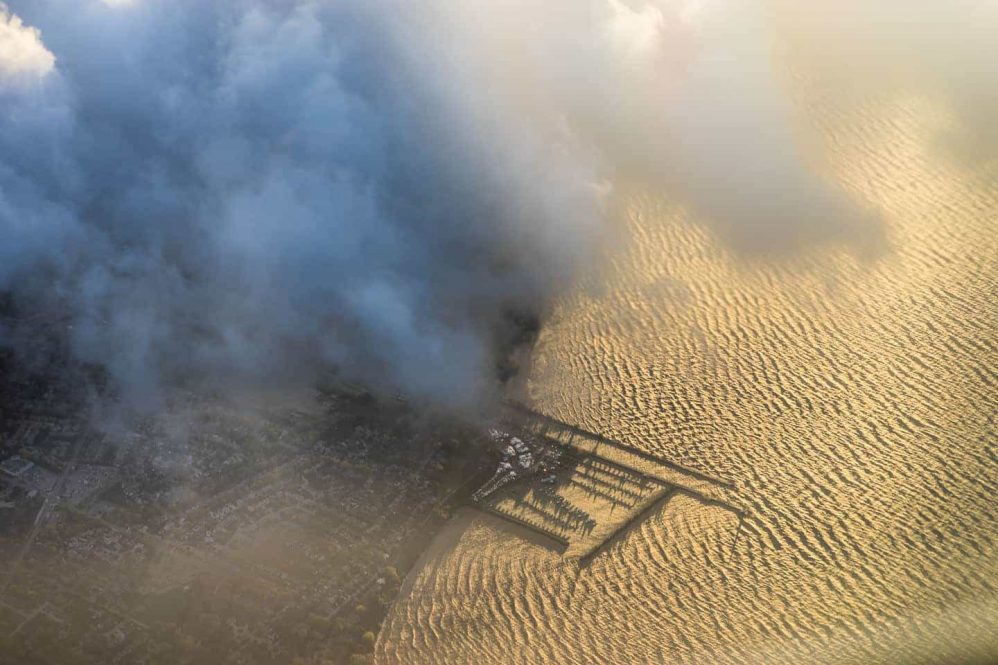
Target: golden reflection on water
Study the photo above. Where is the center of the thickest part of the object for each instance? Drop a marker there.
(851, 395)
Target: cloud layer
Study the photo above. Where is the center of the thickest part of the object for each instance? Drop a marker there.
(944, 50)
(248, 191)
(679, 95)
(254, 191)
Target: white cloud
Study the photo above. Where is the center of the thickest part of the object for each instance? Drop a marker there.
(678, 95)
(22, 53)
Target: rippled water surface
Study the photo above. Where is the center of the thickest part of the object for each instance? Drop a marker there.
(851, 394)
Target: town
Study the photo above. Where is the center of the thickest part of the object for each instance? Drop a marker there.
(215, 533)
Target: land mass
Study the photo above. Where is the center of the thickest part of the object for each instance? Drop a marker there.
(215, 532)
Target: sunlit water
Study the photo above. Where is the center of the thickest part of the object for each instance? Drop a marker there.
(851, 395)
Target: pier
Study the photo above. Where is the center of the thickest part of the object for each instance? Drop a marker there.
(611, 482)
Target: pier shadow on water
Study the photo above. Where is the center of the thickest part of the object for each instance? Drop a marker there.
(590, 492)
